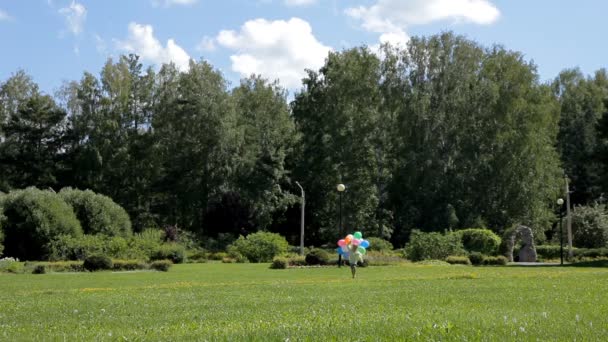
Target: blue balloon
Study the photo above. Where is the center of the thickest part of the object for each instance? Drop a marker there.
(364, 244)
(339, 250)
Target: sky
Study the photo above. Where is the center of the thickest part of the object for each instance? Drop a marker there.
(57, 40)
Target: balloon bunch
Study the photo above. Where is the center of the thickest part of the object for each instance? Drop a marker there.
(346, 244)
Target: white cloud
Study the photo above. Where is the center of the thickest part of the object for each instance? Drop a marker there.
(141, 41)
(100, 44)
(275, 49)
(169, 3)
(75, 15)
(206, 44)
(4, 16)
(299, 2)
(392, 18)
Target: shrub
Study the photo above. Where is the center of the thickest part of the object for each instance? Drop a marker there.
(479, 240)
(458, 260)
(64, 266)
(34, 218)
(495, 260)
(589, 226)
(98, 214)
(97, 263)
(279, 263)
(476, 258)
(228, 260)
(197, 256)
(296, 260)
(237, 257)
(553, 251)
(260, 246)
(375, 258)
(317, 256)
(380, 245)
(10, 265)
(218, 256)
(161, 265)
(170, 251)
(424, 246)
(39, 269)
(128, 265)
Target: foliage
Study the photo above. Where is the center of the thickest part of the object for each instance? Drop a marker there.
(161, 265)
(170, 251)
(9, 264)
(424, 246)
(378, 244)
(39, 269)
(500, 260)
(33, 219)
(97, 214)
(476, 258)
(458, 260)
(590, 226)
(296, 260)
(261, 246)
(479, 240)
(279, 263)
(97, 262)
(128, 265)
(317, 256)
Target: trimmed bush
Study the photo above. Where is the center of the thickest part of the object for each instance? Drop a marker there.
(476, 258)
(33, 219)
(589, 226)
(97, 263)
(161, 265)
(317, 256)
(260, 246)
(170, 251)
(458, 260)
(39, 269)
(500, 260)
(218, 256)
(279, 263)
(425, 246)
(64, 266)
(479, 240)
(98, 214)
(128, 265)
(380, 245)
(296, 260)
(552, 251)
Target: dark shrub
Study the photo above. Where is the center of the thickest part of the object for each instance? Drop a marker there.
(425, 246)
(97, 263)
(39, 269)
(380, 245)
(161, 265)
(589, 226)
(479, 240)
(170, 251)
(476, 258)
(34, 218)
(317, 256)
(552, 251)
(279, 263)
(458, 260)
(260, 247)
(98, 214)
(495, 260)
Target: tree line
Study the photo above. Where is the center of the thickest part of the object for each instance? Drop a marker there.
(440, 134)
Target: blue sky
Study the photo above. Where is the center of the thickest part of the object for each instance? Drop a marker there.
(57, 40)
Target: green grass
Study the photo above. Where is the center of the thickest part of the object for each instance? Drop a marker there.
(251, 302)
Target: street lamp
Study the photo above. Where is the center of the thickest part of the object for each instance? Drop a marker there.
(560, 203)
(341, 187)
(302, 221)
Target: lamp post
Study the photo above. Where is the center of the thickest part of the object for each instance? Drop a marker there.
(560, 203)
(302, 221)
(341, 187)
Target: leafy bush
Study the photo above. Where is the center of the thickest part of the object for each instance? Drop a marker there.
(39, 269)
(317, 256)
(10, 265)
(495, 260)
(78, 248)
(424, 246)
(553, 251)
(34, 218)
(479, 240)
(476, 258)
(589, 226)
(279, 263)
(197, 256)
(375, 258)
(380, 245)
(97, 263)
(296, 260)
(458, 260)
(260, 246)
(98, 214)
(218, 256)
(128, 265)
(64, 266)
(170, 251)
(237, 257)
(161, 265)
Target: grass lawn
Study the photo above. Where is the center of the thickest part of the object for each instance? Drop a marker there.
(253, 302)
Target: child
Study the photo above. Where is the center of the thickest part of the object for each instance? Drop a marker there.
(354, 256)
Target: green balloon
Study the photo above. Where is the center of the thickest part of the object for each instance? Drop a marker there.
(358, 235)
(361, 250)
